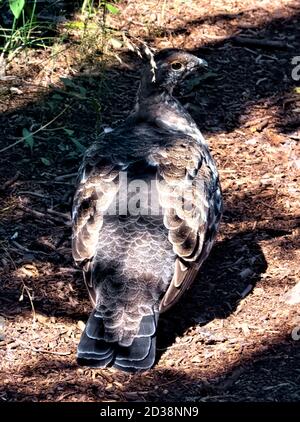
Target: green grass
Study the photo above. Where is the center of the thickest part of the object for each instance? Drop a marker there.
(22, 27)
(24, 30)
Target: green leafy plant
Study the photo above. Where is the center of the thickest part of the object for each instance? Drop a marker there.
(27, 31)
(23, 29)
(73, 89)
(78, 145)
(45, 161)
(91, 5)
(16, 6)
(28, 138)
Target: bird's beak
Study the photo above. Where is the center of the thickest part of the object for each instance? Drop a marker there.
(201, 63)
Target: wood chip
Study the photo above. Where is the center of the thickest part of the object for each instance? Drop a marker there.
(81, 325)
(292, 297)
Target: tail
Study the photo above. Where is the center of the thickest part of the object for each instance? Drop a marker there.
(95, 352)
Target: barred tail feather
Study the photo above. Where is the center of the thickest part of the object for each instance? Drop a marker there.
(95, 352)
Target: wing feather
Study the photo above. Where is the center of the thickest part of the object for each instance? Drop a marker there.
(189, 192)
(97, 187)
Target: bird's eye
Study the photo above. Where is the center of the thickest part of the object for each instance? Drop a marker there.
(177, 66)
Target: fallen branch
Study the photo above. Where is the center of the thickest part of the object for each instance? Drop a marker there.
(24, 249)
(36, 214)
(62, 215)
(46, 217)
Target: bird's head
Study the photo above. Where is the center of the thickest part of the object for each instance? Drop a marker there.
(167, 69)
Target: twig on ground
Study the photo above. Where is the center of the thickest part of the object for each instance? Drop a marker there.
(64, 216)
(256, 42)
(11, 181)
(35, 132)
(42, 216)
(66, 176)
(37, 214)
(24, 249)
(24, 344)
(38, 195)
(26, 289)
(48, 182)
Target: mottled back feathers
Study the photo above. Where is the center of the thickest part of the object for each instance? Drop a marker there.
(145, 216)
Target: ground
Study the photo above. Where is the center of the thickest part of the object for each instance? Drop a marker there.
(234, 335)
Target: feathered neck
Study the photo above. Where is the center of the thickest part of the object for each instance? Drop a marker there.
(161, 109)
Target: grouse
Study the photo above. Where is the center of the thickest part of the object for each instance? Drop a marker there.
(145, 215)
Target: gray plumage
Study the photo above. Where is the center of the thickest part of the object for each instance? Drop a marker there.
(137, 264)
